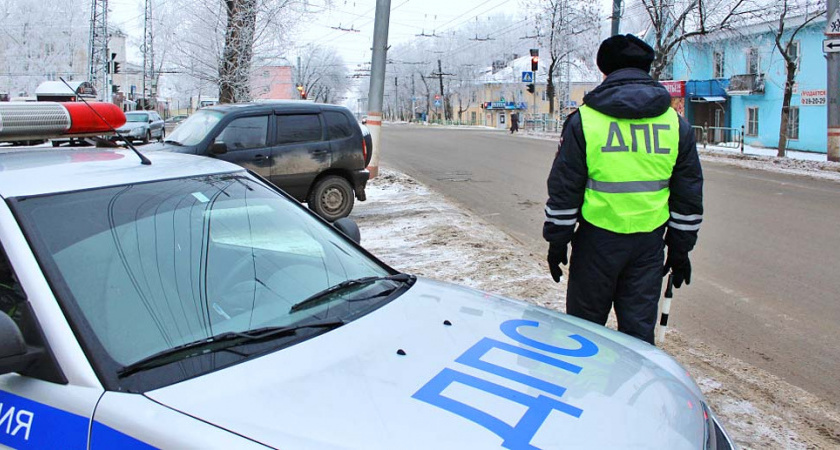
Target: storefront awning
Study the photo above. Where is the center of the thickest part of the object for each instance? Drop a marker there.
(710, 99)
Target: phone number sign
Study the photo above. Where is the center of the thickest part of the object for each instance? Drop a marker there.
(815, 97)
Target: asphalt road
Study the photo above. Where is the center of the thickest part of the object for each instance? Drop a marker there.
(766, 270)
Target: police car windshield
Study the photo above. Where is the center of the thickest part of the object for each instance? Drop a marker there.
(154, 266)
(195, 128)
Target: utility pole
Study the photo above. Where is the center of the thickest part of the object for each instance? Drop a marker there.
(149, 59)
(397, 98)
(616, 17)
(98, 48)
(833, 84)
(439, 75)
(442, 97)
(377, 80)
(413, 98)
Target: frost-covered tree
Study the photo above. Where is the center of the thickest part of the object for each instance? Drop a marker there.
(569, 30)
(41, 41)
(322, 73)
(672, 22)
(217, 40)
(791, 19)
(464, 51)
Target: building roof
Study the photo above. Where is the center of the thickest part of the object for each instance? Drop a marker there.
(58, 88)
(755, 26)
(512, 73)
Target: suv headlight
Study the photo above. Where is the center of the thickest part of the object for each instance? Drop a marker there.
(716, 437)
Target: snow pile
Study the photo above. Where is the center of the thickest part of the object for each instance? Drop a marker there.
(418, 231)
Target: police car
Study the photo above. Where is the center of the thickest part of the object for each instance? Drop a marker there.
(190, 304)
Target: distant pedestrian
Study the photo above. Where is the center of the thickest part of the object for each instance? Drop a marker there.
(628, 175)
(514, 123)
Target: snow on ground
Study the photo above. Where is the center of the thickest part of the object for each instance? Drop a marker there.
(416, 230)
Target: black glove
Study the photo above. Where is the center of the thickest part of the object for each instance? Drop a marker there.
(680, 265)
(557, 254)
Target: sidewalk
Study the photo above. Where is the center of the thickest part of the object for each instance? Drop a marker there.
(417, 230)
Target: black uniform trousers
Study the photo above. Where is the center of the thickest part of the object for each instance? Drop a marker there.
(622, 270)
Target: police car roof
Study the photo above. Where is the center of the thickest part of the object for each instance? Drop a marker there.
(36, 171)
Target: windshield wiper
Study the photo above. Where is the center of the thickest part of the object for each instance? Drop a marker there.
(168, 141)
(221, 341)
(318, 298)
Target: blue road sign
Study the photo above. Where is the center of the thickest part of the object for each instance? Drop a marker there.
(527, 77)
(437, 103)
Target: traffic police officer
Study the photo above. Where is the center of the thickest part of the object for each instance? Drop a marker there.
(627, 174)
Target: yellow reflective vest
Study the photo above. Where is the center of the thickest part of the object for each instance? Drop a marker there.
(630, 162)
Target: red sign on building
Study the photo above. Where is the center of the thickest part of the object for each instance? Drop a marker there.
(675, 88)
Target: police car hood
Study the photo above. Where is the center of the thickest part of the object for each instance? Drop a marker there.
(444, 366)
(629, 94)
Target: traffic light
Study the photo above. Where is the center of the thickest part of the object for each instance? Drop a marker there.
(301, 92)
(531, 88)
(535, 59)
(116, 67)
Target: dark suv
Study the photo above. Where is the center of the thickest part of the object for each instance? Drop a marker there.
(316, 153)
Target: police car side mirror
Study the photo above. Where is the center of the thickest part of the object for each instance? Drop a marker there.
(349, 228)
(15, 356)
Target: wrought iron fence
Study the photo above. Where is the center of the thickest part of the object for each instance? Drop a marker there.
(720, 137)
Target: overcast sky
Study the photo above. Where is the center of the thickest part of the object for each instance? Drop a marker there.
(408, 19)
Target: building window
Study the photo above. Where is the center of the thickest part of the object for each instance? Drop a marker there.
(472, 118)
(752, 121)
(753, 60)
(793, 123)
(719, 60)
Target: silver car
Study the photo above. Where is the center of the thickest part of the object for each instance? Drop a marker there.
(142, 126)
(190, 304)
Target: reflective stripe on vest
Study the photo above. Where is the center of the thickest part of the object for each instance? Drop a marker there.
(630, 162)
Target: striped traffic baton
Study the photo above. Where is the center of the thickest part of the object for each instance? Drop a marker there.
(666, 309)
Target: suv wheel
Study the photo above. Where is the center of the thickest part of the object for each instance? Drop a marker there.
(331, 198)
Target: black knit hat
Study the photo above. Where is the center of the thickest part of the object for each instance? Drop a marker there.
(618, 52)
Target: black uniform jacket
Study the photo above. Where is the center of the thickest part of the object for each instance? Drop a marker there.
(627, 94)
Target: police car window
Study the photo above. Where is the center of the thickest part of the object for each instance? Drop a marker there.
(245, 133)
(337, 125)
(161, 264)
(298, 128)
(11, 293)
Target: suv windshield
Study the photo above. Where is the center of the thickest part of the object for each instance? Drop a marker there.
(136, 117)
(195, 128)
(152, 267)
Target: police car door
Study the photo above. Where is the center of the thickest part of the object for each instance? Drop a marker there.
(49, 404)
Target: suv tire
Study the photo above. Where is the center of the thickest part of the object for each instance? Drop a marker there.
(331, 198)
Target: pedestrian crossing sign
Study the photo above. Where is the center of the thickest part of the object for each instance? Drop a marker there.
(527, 77)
